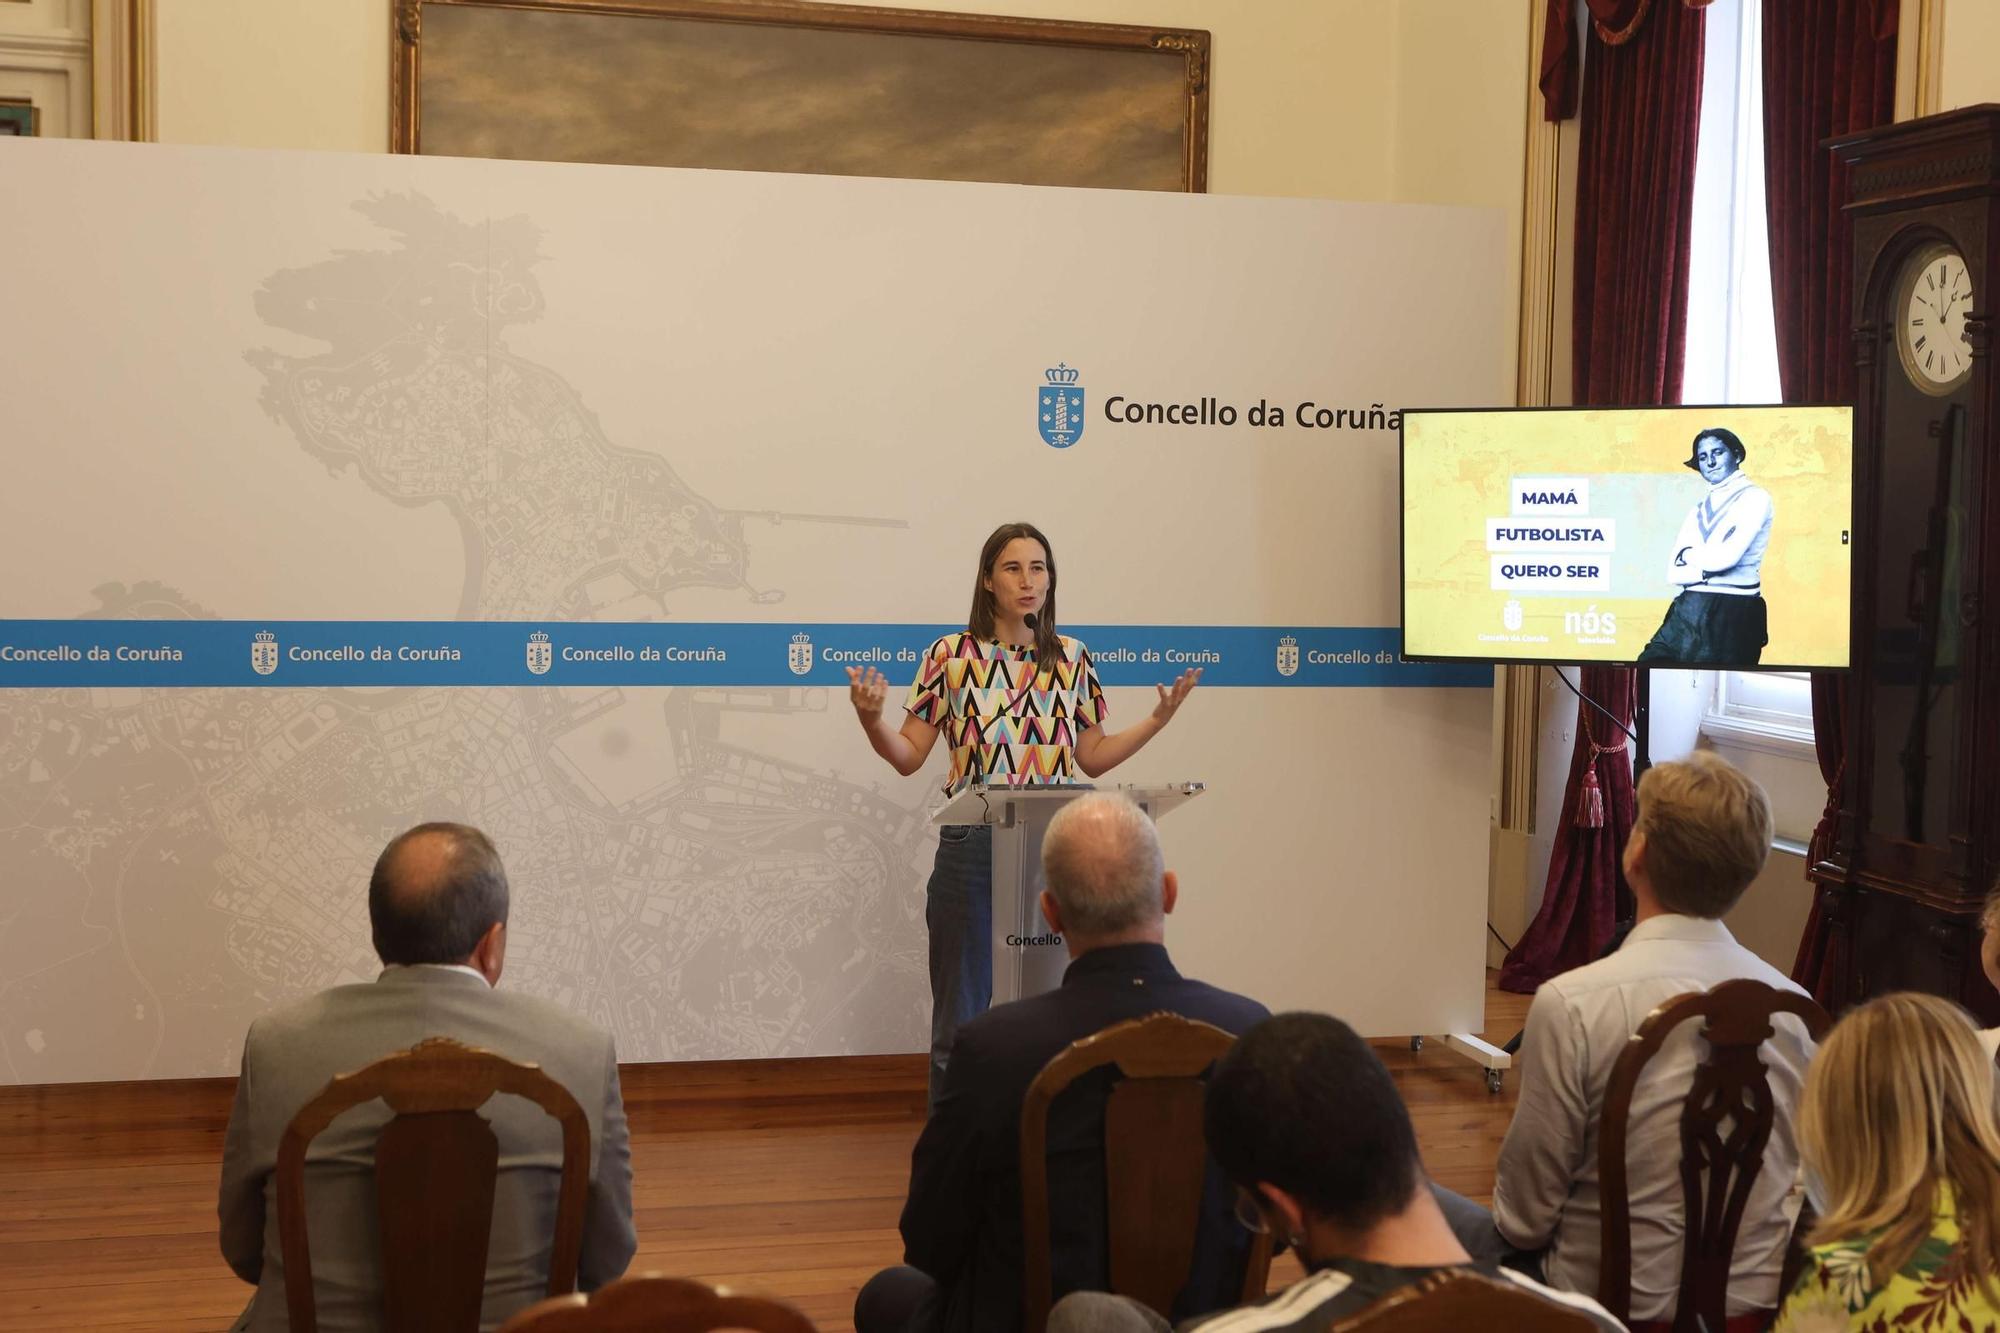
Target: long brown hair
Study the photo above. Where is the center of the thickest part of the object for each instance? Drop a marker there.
(981, 620)
(1898, 1101)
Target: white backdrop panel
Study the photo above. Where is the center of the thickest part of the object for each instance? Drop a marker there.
(321, 388)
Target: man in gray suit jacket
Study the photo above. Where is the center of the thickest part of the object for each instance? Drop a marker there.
(438, 906)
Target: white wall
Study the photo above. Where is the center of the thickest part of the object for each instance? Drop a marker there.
(275, 73)
(1971, 53)
(1771, 916)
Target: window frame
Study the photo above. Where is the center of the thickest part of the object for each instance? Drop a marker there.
(1769, 711)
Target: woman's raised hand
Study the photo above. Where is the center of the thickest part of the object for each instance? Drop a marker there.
(1171, 701)
(867, 688)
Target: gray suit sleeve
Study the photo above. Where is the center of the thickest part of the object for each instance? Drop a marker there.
(609, 1237)
(240, 1198)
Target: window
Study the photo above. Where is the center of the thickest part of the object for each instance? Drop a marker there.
(1732, 346)
(1763, 710)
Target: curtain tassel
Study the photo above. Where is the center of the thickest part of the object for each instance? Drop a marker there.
(1590, 801)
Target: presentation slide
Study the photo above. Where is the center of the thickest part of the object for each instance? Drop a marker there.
(1680, 536)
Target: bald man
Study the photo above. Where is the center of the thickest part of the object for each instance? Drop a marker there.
(1109, 894)
(437, 904)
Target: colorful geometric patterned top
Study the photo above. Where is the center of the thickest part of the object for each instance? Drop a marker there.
(1005, 721)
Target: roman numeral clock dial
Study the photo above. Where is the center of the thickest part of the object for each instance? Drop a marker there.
(1937, 294)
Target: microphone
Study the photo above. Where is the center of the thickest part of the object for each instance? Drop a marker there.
(1033, 622)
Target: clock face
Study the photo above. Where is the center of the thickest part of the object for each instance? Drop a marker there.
(1936, 295)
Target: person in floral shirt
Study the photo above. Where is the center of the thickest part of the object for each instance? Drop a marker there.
(1902, 1151)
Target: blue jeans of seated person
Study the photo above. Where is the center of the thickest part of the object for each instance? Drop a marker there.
(958, 909)
(1472, 1224)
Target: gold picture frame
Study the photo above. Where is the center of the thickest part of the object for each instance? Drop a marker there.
(832, 89)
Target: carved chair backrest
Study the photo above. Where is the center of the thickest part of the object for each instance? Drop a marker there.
(436, 1163)
(1725, 1122)
(1155, 1160)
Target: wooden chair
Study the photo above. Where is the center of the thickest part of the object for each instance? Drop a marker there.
(1155, 1160)
(435, 1167)
(654, 1304)
(1455, 1301)
(1725, 1123)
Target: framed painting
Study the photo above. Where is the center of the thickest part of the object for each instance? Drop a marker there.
(832, 89)
(19, 116)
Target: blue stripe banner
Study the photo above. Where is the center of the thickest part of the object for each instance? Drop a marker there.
(61, 654)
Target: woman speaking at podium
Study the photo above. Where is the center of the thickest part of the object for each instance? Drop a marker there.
(1019, 704)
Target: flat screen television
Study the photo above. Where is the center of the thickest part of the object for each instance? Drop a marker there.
(1661, 536)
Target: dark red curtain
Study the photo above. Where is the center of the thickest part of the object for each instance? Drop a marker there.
(1613, 22)
(1825, 946)
(1586, 891)
(1635, 197)
(1634, 211)
(1557, 78)
(1829, 68)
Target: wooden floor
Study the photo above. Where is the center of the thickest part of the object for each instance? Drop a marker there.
(783, 1177)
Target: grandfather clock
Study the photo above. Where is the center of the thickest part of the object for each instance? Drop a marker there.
(1918, 840)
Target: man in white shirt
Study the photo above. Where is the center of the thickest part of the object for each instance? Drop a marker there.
(437, 904)
(1719, 617)
(1702, 835)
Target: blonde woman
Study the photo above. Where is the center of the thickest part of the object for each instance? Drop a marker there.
(1897, 1129)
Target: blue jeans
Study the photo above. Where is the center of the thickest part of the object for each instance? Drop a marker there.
(958, 908)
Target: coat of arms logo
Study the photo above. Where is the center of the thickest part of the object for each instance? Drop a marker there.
(264, 652)
(799, 657)
(1288, 656)
(1059, 407)
(541, 654)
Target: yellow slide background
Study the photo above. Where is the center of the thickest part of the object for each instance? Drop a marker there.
(1458, 467)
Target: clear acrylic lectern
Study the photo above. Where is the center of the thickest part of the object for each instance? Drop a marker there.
(1027, 957)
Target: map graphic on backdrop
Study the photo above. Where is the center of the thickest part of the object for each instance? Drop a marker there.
(714, 902)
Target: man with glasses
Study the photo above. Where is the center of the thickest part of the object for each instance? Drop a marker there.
(1308, 1124)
